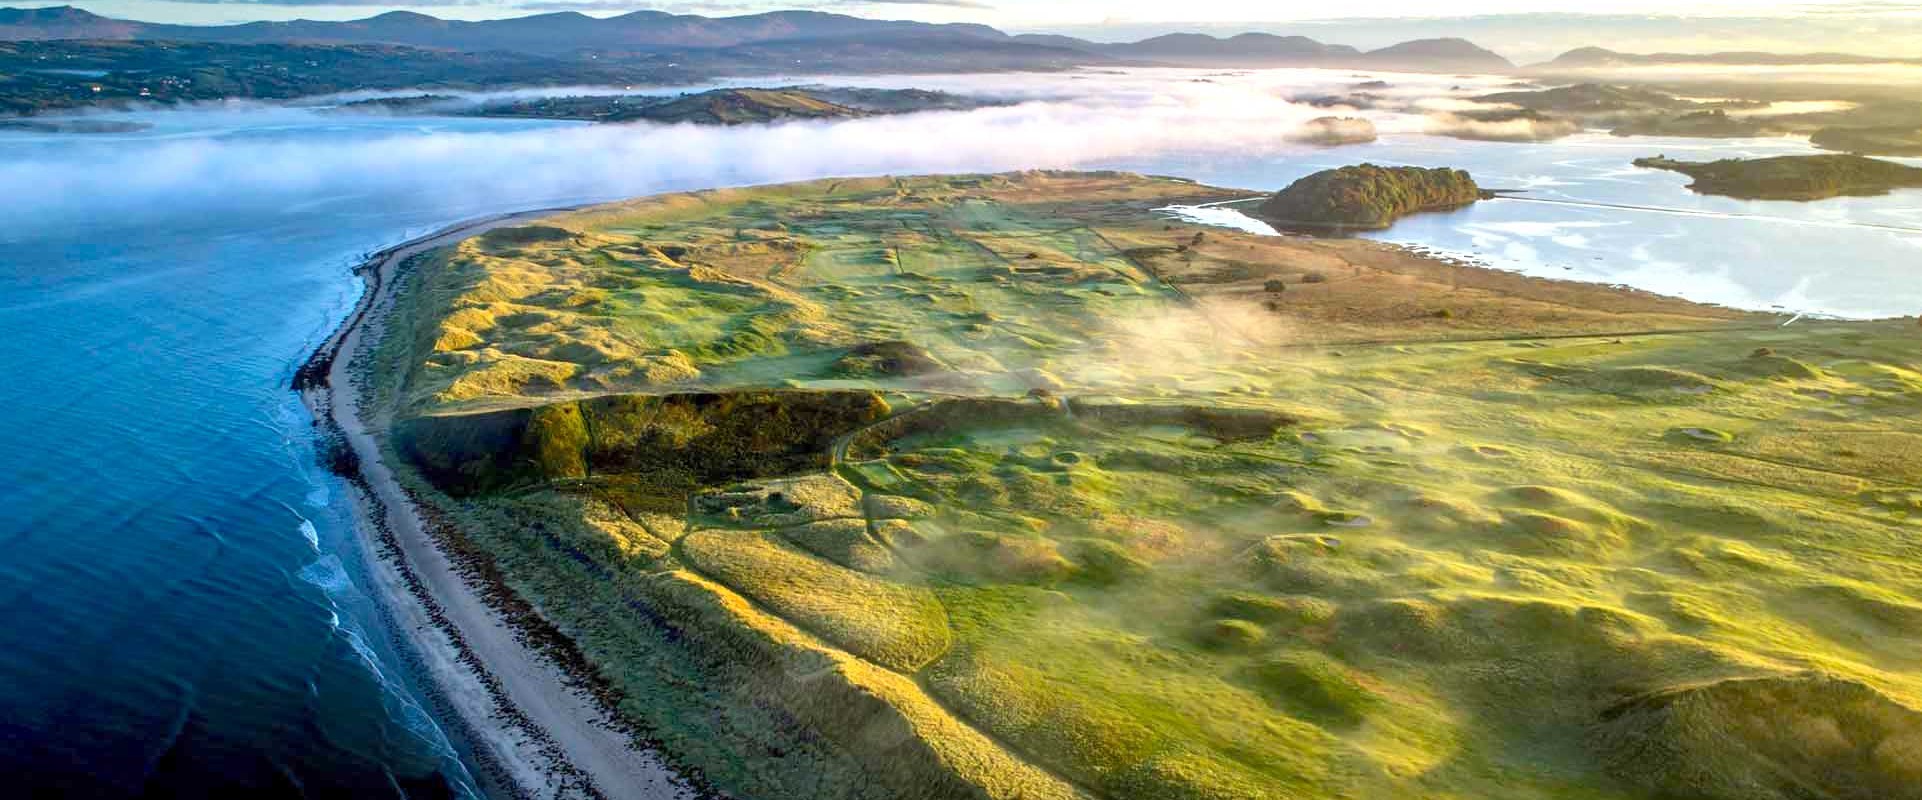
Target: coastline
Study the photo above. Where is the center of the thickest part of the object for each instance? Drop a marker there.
(535, 727)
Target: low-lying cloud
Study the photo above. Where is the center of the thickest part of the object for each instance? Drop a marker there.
(1518, 128)
(201, 160)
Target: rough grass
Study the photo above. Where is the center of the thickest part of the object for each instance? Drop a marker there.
(845, 542)
(1139, 535)
(895, 626)
(1784, 737)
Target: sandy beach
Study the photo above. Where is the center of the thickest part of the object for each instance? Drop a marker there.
(534, 729)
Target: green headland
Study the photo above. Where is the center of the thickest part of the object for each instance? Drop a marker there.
(1899, 140)
(1792, 177)
(1010, 487)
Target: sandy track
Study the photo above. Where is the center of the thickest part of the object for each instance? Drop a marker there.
(535, 733)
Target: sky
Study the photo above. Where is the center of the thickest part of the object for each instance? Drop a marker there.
(1004, 13)
(1524, 29)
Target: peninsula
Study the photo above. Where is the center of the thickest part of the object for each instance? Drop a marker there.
(1009, 486)
(1792, 177)
(740, 106)
(1900, 140)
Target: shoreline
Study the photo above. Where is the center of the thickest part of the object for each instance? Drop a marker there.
(1223, 214)
(520, 698)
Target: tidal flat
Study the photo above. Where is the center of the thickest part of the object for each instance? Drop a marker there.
(1012, 486)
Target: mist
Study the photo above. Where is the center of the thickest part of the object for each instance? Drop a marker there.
(199, 172)
(1886, 75)
(201, 160)
(1518, 129)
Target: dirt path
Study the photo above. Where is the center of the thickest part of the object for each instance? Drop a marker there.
(536, 734)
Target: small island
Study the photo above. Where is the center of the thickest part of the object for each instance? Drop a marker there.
(1335, 131)
(1367, 197)
(400, 104)
(1792, 177)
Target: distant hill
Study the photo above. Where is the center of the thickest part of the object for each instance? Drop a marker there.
(1268, 50)
(1248, 49)
(541, 34)
(114, 73)
(907, 52)
(1431, 55)
(823, 41)
(63, 22)
(1601, 58)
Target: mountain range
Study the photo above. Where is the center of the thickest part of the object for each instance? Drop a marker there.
(782, 32)
(780, 39)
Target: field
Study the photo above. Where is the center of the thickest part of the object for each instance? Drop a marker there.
(1008, 486)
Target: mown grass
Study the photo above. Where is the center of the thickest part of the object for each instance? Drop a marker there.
(1122, 531)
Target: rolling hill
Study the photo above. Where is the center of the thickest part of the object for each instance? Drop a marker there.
(782, 35)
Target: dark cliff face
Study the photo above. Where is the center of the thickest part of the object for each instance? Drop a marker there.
(1367, 197)
(670, 442)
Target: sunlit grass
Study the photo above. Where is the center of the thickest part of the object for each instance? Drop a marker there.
(1006, 483)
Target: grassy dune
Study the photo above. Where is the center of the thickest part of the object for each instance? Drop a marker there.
(1008, 487)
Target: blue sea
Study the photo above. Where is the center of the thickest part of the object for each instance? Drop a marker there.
(182, 610)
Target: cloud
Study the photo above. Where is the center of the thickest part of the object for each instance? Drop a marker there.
(1892, 8)
(191, 166)
(1128, 122)
(1500, 128)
